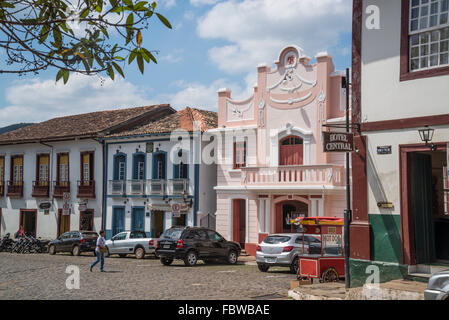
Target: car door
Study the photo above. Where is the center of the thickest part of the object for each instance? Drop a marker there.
(64, 244)
(117, 243)
(204, 244)
(218, 244)
(137, 237)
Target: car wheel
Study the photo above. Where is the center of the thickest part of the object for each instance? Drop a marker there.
(232, 257)
(166, 261)
(52, 250)
(76, 251)
(140, 253)
(263, 267)
(191, 259)
(294, 266)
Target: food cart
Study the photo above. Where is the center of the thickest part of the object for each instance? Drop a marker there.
(326, 260)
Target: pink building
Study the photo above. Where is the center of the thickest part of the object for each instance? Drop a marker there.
(271, 166)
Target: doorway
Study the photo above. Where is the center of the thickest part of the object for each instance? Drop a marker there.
(63, 222)
(157, 223)
(28, 220)
(118, 220)
(287, 210)
(180, 221)
(239, 221)
(424, 213)
(87, 220)
(138, 219)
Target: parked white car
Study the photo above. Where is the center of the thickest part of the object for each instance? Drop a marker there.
(131, 242)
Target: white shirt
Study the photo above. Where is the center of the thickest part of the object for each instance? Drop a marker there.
(100, 242)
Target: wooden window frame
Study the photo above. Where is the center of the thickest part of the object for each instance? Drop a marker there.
(58, 175)
(38, 171)
(244, 154)
(11, 172)
(91, 167)
(405, 73)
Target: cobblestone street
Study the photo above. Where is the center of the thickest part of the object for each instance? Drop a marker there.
(43, 277)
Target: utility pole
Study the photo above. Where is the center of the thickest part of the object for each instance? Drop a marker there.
(348, 210)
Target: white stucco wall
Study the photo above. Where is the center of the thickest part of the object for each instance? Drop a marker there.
(47, 224)
(384, 97)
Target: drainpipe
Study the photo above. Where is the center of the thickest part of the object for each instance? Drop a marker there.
(104, 188)
(347, 217)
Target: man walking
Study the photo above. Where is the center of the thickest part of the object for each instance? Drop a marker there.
(100, 251)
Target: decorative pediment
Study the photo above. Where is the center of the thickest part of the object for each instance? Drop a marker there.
(240, 110)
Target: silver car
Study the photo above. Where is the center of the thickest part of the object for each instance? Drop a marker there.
(438, 286)
(282, 249)
(131, 242)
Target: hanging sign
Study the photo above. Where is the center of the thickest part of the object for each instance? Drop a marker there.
(384, 150)
(338, 142)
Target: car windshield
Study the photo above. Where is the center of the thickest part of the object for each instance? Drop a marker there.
(276, 239)
(173, 234)
(90, 234)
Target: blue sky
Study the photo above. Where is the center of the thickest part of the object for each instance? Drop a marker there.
(214, 44)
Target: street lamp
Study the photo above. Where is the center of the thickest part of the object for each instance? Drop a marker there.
(426, 135)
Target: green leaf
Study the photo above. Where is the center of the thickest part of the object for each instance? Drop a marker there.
(132, 56)
(84, 13)
(140, 62)
(59, 74)
(99, 61)
(57, 36)
(110, 72)
(119, 70)
(65, 76)
(150, 55)
(45, 31)
(145, 56)
(164, 20)
(129, 3)
(130, 20)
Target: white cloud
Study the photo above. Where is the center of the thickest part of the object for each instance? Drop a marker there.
(173, 57)
(202, 2)
(36, 100)
(168, 3)
(202, 96)
(258, 29)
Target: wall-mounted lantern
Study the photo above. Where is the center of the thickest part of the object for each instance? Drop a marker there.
(426, 135)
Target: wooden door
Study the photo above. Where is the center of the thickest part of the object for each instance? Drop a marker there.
(138, 219)
(291, 151)
(28, 220)
(421, 199)
(239, 221)
(157, 223)
(63, 223)
(118, 220)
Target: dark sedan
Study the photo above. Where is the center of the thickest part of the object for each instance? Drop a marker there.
(74, 242)
(191, 244)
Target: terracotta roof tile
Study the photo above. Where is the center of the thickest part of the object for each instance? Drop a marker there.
(181, 120)
(81, 125)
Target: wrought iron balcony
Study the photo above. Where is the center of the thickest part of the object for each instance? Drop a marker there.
(14, 189)
(86, 189)
(41, 189)
(60, 187)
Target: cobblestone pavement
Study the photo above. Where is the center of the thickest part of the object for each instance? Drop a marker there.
(41, 276)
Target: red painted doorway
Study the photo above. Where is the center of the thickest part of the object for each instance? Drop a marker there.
(239, 221)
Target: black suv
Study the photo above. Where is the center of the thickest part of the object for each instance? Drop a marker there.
(194, 243)
(74, 242)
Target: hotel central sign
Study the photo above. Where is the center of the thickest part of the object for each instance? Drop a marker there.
(338, 142)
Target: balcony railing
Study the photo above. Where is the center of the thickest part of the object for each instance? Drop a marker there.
(41, 189)
(156, 187)
(117, 187)
(178, 186)
(328, 175)
(136, 187)
(86, 189)
(60, 187)
(14, 189)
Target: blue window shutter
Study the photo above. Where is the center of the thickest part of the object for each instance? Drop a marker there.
(176, 171)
